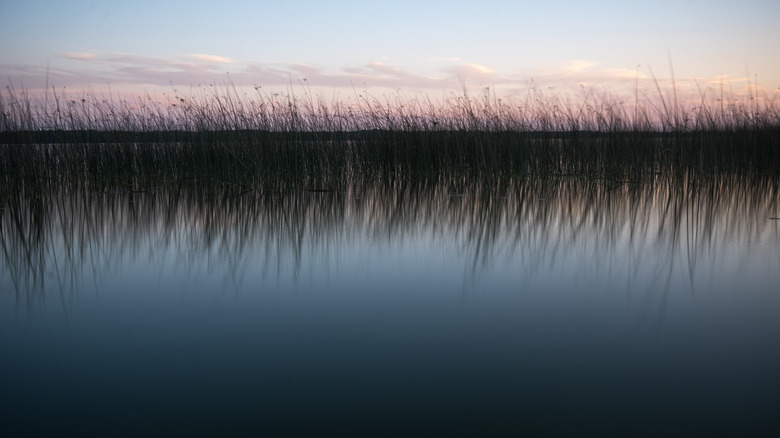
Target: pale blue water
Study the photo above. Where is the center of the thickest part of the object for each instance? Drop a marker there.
(562, 307)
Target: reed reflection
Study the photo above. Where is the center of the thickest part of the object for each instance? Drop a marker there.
(633, 238)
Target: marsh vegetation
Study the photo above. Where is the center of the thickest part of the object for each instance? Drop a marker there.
(272, 140)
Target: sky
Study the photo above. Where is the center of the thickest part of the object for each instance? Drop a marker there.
(434, 47)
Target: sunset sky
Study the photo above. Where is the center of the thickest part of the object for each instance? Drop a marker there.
(434, 46)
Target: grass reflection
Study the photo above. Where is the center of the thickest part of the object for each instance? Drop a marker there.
(627, 236)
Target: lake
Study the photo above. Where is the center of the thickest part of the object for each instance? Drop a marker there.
(444, 306)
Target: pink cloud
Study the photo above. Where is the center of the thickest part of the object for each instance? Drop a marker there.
(135, 73)
(81, 56)
(210, 58)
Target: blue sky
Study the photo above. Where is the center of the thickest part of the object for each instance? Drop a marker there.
(408, 45)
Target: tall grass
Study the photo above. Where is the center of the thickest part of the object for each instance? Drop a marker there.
(226, 108)
(267, 139)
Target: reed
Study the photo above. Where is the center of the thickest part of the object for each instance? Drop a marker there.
(273, 140)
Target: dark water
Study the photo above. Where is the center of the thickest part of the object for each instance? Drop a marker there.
(448, 307)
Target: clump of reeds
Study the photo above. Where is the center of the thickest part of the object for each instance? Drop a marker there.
(269, 139)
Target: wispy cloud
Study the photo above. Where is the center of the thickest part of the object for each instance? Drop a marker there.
(472, 70)
(578, 65)
(449, 74)
(210, 58)
(81, 56)
(98, 69)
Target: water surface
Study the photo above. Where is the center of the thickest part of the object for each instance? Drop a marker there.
(418, 307)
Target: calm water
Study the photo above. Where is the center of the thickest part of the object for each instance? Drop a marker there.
(449, 307)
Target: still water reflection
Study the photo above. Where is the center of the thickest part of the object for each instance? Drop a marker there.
(448, 306)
